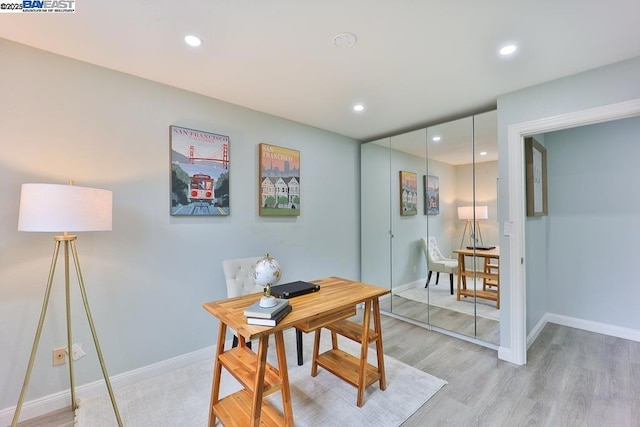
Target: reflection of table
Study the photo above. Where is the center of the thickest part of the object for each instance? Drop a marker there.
(489, 274)
(335, 301)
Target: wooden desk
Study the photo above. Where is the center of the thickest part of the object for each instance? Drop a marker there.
(490, 274)
(336, 300)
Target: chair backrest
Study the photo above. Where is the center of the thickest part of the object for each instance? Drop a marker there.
(431, 250)
(434, 250)
(238, 274)
(425, 249)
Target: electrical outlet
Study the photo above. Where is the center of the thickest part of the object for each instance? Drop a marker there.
(59, 356)
(76, 351)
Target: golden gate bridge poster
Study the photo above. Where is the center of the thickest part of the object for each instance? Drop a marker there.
(199, 172)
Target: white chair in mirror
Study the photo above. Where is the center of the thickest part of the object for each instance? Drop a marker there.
(438, 262)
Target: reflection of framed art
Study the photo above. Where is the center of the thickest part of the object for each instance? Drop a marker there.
(536, 162)
(431, 194)
(199, 172)
(408, 193)
(279, 186)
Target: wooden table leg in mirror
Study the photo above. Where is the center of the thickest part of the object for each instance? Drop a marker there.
(462, 279)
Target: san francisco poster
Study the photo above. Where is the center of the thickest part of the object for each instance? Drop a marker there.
(279, 177)
(199, 172)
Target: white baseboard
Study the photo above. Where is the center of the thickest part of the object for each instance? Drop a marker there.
(43, 405)
(533, 335)
(597, 327)
(415, 284)
(572, 322)
(585, 325)
(504, 353)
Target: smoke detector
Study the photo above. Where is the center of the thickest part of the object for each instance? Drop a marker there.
(345, 39)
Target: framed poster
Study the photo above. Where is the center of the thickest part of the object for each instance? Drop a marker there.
(199, 172)
(408, 193)
(536, 164)
(431, 194)
(279, 181)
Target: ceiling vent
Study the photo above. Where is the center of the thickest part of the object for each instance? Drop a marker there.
(345, 39)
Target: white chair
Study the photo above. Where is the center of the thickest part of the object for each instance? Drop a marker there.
(238, 274)
(438, 262)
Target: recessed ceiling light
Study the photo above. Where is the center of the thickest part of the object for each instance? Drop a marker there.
(358, 107)
(483, 153)
(345, 39)
(436, 138)
(192, 40)
(508, 49)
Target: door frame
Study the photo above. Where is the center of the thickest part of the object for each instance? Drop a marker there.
(514, 223)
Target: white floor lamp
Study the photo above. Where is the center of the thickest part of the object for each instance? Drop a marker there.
(471, 216)
(64, 208)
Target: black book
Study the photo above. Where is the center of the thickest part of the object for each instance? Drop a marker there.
(270, 322)
(293, 289)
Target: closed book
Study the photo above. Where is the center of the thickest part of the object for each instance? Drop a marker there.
(255, 310)
(294, 289)
(270, 322)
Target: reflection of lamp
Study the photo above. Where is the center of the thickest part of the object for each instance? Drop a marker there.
(64, 208)
(472, 216)
(266, 273)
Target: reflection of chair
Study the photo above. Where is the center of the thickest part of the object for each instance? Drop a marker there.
(438, 262)
(238, 274)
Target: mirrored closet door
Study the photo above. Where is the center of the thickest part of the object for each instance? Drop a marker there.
(429, 206)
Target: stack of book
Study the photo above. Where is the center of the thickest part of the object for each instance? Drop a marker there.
(267, 316)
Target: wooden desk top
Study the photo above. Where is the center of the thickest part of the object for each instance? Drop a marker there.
(335, 295)
(493, 253)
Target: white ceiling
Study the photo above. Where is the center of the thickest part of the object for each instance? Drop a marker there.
(416, 62)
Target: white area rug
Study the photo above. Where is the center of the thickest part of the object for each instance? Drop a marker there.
(181, 398)
(440, 296)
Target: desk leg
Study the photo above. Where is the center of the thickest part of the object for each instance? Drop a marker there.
(460, 277)
(217, 372)
(299, 346)
(363, 353)
(316, 352)
(258, 387)
(486, 270)
(379, 352)
(284, 375)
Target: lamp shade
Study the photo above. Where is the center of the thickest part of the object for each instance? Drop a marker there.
(60, 208)
(467, 212)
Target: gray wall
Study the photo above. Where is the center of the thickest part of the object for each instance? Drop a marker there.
(486, 192)
(376, 213)
(408, 259)
(383, 262)
(603, 86)
(62, 119)
(593, 222)
(445, 225)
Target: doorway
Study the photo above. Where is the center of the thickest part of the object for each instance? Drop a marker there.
(514, 218)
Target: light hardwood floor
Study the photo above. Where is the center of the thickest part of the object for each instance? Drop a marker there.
(572, 378)
(485, 329)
